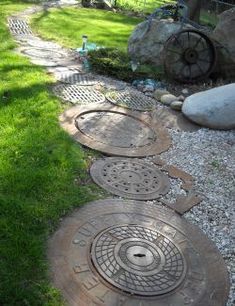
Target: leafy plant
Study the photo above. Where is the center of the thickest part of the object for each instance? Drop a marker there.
(116, 63)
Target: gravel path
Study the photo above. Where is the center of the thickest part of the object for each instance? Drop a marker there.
(209, 156)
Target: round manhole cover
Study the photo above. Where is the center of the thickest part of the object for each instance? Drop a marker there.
(44, 54)
(131, 99)
(78, 94)
(115, 252)
(130, 178)
(115, 130)
(127, 257)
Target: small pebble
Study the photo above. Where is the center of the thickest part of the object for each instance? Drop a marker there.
(168, 99)
(176, 105)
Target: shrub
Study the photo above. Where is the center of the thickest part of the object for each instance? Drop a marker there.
(116, 63)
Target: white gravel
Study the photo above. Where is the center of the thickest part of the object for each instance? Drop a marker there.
(209, 156)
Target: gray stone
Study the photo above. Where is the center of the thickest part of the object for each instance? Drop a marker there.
(168, 99)
(181, 98)
(158, 93)
(214, 108)
(147, 46)
(185, 91)
(224, 36)
(177, 105)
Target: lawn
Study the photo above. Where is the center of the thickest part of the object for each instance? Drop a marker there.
(38, 167)
(102, 27)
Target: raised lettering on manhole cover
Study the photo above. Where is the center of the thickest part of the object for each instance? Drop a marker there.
(78, 94)
(130, 178)
(114, 252)
(132, 99)
(115, 130)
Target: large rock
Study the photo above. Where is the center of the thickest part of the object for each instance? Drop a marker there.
(225, 37)
(214, 108)
(147, 46)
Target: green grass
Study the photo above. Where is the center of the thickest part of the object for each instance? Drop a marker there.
(38, 166)
(147, 6)
(67, 26)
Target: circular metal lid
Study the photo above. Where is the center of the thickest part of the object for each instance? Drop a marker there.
(132, 99)
(115, 130)
(138, 260)
(130, 178)
(44, 54)
(114, 252)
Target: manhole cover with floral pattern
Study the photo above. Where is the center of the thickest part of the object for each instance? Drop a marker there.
(130, 178)
(113, 252)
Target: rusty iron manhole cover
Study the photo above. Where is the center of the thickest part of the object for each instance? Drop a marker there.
(114, 252)
(77, 78)
(44, 54)
(19, 27)
(115, 130)
(130, 178)
(132, 99)
(77, 94)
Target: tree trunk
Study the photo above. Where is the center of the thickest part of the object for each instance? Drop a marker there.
(194, 7)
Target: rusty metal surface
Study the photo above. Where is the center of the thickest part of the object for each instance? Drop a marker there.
(116, 131)
(113, 252)
(130, 178)
(132, 99)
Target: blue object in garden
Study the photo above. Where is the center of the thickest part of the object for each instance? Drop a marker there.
(148, 85)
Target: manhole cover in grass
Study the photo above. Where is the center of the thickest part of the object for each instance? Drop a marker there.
(78, 94)
(131, 99)
(44, 54)
(114, 252)
(19, 27)
(115, 130)
(130, 178)
(77, 78)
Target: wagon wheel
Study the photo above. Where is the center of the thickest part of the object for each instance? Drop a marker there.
(189, 56)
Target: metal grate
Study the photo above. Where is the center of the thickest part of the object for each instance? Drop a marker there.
(19, 27)
(77, 94)
(131, 99)
(72, 77)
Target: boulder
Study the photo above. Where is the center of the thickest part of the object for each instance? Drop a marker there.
(223, 34)
(213, 108)
(146, 44)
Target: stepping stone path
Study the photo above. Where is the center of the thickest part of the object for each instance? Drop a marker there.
(119, 252)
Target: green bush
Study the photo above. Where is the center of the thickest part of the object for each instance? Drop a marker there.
(116, 63)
